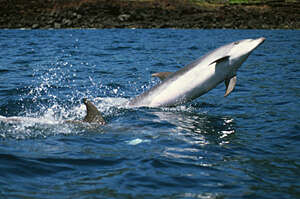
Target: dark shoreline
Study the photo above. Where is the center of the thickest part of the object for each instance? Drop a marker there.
(48, 14)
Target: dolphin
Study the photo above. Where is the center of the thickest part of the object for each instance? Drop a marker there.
(93, 116)
(199, 77)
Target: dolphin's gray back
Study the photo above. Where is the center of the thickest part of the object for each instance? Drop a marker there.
(208, 58)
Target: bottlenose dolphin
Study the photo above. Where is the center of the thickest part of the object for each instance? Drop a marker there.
(93, 116)
(199, 77)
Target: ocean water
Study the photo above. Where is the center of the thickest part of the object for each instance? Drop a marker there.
(243, 146)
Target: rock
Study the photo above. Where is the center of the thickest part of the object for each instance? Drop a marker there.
(140, 14)
(92, 20)
(67, 22)
(74, 15)
(35, 26)
(57, 25)
(50, 21)
(52, 13)
(123, 17)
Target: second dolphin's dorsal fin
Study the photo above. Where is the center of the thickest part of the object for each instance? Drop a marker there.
(92, 113)
(162, 75)
(230, 84)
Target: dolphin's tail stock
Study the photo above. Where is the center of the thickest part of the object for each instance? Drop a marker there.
(92, 113)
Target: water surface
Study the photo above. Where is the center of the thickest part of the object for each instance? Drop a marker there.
(243, 146)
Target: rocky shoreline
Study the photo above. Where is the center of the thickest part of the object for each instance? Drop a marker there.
(48, 14)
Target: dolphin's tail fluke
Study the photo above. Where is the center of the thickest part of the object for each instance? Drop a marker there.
(92, 113)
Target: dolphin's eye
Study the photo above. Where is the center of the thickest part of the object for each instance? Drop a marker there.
(237, 42)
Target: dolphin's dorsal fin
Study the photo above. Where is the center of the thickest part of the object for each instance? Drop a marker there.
(162, 75)
(222, 59)
(230, 84)
(92, 113)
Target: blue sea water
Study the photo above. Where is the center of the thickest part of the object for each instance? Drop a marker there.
(243, 146)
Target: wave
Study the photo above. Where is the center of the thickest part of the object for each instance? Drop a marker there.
(52, 119)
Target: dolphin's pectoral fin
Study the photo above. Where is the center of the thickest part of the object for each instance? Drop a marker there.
(162, 75)
(230, 84)
(92, 114)
(222, 59)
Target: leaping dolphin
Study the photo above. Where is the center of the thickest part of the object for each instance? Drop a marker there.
(199, 77)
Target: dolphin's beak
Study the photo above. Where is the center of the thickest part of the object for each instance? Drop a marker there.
(257, 42)
(260, 40)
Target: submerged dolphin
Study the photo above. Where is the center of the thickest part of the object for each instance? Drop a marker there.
(93, 116)
(199, 77)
